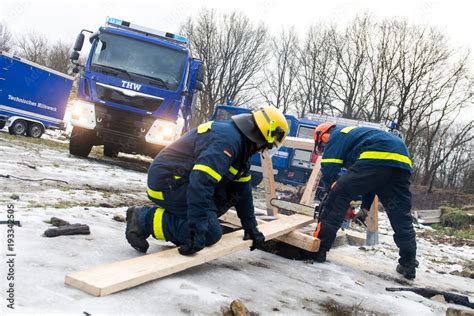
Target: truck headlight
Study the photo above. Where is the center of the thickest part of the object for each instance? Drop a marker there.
(83, 114)
(164, 132)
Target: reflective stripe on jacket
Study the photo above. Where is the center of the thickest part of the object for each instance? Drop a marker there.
(365, 145)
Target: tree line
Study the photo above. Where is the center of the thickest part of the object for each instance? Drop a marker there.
(369, 70)
(35, 47)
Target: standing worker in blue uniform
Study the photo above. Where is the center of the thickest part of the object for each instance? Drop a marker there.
(377, 162)
(199, 177)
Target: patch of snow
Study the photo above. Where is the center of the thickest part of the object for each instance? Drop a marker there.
(353, 276)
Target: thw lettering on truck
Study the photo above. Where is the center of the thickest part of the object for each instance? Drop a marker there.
(131, 85)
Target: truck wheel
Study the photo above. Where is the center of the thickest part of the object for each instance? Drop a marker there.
(2, 124)
(110, 151)
(35, 130)
(18, 127)
(257, 177)
(81, 142)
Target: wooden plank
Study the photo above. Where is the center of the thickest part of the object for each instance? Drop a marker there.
(269, 182)
(118, 276)
(294, 238)
(299, 143)
(351, 237)
(429, 216)
(372, 222)
(429, 220)
(308, 195)
(293, 207)
(429, 213)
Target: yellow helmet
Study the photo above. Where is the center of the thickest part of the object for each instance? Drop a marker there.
(265, 126)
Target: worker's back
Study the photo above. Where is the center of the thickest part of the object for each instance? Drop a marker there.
(368, 146)
(178, 158)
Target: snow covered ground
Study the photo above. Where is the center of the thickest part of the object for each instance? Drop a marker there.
(353, 281)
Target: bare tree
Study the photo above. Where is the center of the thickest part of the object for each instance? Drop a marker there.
(33, 46)
(6, 41)
(279, 88)
(456, 167)
(429, 83)
(441, 145)
(384, 61)
(351, 86)
(318, 69)
(234, 51)
(468, 179)
(58, 56)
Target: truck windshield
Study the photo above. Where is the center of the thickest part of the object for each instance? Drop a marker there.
(224, 114)
(142, 61)
(306, 131)
(302, 158)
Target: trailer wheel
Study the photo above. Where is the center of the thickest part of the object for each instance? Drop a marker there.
(81, 142)
(18, 127)
(35, 130)
(257, 177)
(110, 151)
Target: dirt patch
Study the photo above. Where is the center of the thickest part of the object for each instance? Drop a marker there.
(226, 266)
(259, 264)
(284, 250)
(391, 278)
(335, 308)
(426, 201)
(438, 237)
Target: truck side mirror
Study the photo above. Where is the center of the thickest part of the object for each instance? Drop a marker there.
(201, 72)
(79, 42)
(74, 56)
(199, 86)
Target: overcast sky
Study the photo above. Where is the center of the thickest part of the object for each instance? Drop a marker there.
(63, 19)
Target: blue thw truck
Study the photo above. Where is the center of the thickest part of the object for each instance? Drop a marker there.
(136, 91)
(32, 97)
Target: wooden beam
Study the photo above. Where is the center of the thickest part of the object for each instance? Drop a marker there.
(299, 143)
(372, 222)
(269, 182)
(351, 237)
(308, 195)
(118, 276)
(294, 238)
(428, 216)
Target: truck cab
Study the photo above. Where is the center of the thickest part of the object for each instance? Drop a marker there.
(136, 90)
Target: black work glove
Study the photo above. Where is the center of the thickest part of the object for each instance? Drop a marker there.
(196, 241)
(257, 237)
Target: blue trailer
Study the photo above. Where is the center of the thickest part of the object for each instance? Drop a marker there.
(32, 97)
(136, 92)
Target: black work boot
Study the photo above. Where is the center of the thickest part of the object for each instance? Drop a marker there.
(319, 256)
(135, 237)
(407, 269)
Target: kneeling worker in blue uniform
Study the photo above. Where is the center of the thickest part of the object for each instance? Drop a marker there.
(199, 177)
(377, 162)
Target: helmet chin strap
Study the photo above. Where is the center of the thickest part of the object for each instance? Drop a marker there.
(259, 148)
(271, 149)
